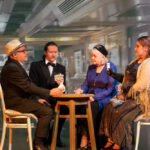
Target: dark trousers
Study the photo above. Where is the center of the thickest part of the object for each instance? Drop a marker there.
(96, 113)
(63, 110)
(44, 114)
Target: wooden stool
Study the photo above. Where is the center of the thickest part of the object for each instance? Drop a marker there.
(72, 103)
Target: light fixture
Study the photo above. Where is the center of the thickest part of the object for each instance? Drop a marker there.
(3, 21)
(28, 39)
(2, 26)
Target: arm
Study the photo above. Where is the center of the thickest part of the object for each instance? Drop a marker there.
(116, 76)
(143, 78)
(106, 91)
(18, 77)
(110, 90)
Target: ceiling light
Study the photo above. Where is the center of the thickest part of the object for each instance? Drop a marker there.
(3, 20)
(4, 17)
(139, 18)
(27, 39)
(2, 26)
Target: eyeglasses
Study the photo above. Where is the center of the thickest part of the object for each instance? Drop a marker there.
(23, 51)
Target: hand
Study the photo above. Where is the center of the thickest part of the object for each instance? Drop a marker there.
(43, 101)
(91, 99)
(60, 80)
(120, 96)
(78, 91)
(110, 72)
(56, 92)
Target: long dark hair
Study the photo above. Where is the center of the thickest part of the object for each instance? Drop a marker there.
(145, 41)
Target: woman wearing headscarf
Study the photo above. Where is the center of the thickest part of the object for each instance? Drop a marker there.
(116, 121)
(99, 83)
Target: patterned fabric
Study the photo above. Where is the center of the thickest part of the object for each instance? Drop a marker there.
(116, 123)
(130, 73)
(141, 89)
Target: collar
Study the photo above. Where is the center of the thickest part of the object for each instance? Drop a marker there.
(20, 63)
(46, 61)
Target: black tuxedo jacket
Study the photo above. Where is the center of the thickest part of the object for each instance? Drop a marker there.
(40, 75)
(17, 86)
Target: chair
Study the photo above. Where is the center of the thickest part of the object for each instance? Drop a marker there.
(8, 115)
(141, 120)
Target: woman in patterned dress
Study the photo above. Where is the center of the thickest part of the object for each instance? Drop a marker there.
(116, 122)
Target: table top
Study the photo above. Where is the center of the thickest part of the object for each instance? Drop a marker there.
(75, 96)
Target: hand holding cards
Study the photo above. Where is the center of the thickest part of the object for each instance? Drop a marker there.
(59, 78)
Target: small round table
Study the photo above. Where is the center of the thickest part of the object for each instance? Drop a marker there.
(73, 100)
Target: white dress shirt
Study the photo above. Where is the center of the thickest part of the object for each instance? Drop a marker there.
(50, 68)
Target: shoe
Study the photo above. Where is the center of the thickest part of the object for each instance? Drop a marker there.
(59, 143)
(40, 147)
(109, 148)
(83, 148)
(116, 147)
(109, 144)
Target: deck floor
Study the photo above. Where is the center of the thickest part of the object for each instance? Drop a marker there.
(19, 140)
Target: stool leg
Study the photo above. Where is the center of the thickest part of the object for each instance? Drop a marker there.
(10, 138)
(29, 133)
(137, 135)
(72, 126)
(55, 128)
(3, 135)
(90, 126)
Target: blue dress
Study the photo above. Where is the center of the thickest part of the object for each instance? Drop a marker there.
(101, 85)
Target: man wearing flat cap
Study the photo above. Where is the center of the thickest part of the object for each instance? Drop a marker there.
(18, 89)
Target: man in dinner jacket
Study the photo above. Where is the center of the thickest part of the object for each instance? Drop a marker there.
(42, 74)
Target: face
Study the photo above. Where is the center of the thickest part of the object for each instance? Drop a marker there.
(20, 54)
(140, 50)
(97, 58)
(51, 53)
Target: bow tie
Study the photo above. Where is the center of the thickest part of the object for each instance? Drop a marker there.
(51, 64)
